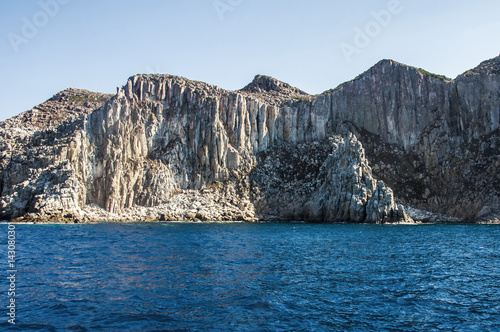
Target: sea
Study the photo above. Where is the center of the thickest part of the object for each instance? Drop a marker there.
(249, 277)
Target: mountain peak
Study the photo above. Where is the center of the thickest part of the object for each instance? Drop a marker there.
(263, 83)
(487, 67)
(389, 63)
(395, 64)
(67, 104)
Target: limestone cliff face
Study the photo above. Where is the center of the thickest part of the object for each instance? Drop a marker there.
(165, 147)
(435, 141)
(162, 135)
(36, 149)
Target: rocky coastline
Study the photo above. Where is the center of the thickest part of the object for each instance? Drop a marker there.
(395, 145)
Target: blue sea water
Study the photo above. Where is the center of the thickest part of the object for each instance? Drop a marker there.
(254, 277)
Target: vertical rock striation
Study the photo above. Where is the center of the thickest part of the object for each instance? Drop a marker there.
(435, 141)
(165, 147)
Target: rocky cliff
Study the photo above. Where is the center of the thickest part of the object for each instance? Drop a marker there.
(167, 148)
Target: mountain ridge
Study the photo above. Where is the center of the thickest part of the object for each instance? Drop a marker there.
(250, 85)
(266, 152)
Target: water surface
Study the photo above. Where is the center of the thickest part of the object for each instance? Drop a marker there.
(255, 277)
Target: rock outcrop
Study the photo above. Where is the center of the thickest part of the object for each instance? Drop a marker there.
(433, 140)
(322, 181)
(167, 148)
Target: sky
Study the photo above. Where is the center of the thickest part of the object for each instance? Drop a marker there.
(49, 45)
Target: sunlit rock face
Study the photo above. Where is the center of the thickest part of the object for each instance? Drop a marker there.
(165, 147)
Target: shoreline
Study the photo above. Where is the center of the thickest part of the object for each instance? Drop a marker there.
(291, 222)
(137, 214)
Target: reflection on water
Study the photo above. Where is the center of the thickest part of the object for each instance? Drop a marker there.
(143, 277)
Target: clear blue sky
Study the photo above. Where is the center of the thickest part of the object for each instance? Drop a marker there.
(97, 45)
